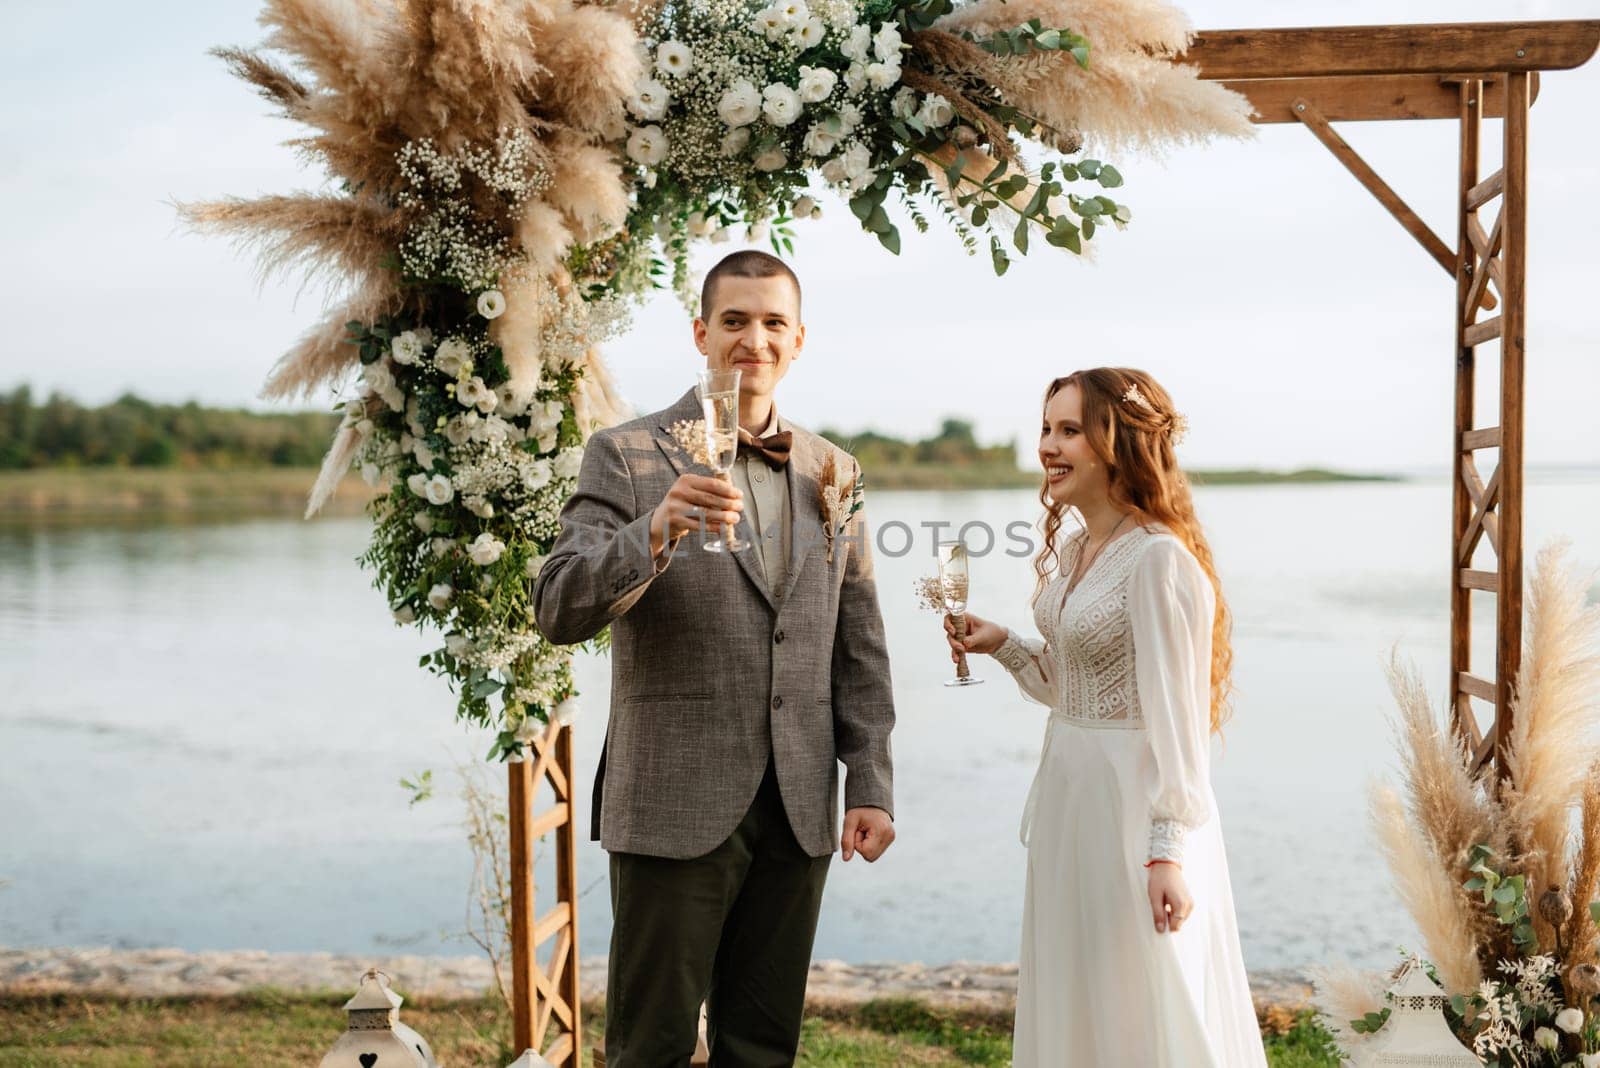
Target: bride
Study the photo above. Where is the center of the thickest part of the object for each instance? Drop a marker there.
(1130, 949)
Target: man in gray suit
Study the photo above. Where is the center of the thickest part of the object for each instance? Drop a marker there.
(738, 687)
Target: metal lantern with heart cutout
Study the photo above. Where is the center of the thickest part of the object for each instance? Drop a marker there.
(377, 1038)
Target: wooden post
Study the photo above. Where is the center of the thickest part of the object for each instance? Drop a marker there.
(1514, 267)
(519, 796)
(565, 962)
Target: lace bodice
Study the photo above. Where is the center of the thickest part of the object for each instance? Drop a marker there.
(1145, 595)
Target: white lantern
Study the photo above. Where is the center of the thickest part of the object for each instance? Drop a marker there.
(1416, 1032)
(377, 1038)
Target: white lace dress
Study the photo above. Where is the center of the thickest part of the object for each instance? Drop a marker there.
(1125, 778)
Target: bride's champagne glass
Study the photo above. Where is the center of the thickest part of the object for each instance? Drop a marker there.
(719, 400)
(953, 582)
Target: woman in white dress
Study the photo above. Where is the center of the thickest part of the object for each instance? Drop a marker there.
(1130, 948)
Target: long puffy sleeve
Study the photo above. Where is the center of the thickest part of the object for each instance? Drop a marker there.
(1171, 607)
(1030, 664)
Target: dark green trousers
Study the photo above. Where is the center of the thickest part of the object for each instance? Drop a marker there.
(733, 927)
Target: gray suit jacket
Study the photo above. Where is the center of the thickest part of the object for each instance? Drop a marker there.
(712, 674)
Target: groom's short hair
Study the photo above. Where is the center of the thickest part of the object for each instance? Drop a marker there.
(746, 264)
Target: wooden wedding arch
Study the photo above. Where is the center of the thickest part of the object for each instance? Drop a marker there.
(1465, 73)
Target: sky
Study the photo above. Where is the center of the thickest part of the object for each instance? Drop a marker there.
(1291, 318)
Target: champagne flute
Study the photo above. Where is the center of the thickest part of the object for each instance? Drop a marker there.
(953, 584)
(719, 400)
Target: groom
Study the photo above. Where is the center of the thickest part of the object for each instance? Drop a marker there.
(738, 686)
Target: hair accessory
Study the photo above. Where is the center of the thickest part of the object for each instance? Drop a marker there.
(1177, 427)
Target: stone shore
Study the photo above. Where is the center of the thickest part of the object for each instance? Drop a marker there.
(966, 986)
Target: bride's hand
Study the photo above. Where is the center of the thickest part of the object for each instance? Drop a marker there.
(982, 636)
(1170, 903)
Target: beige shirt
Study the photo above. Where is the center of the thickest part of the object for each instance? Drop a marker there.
(766, 506)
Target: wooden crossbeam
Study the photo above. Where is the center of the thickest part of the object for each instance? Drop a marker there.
(1485, 751)
(1487, 438)
(1479, 688)
(1486, 190)
(553, 817)
(1369, 99)
(551, 922)
(559, 1050)
(1478, 333)
(547, 766)
(1458, 48)
(1483, 270)
(1483, 520)
(1479, 580)
(1318, 124)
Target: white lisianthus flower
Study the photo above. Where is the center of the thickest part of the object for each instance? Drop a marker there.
(422, 520)
(803, 208)
(547, 416)
(404, 614)
(833, 171)
(650, 100)
(485, 549)
(540, 472)
(534, 565)
(407, 348)
(857, 45)
(820, 141)
(886, 46)
(456, 643)
(439, 596)
(936, 112)
(480, 508)
(491, 304)
(855, 79)
(849, 119)
(699, 225)
(565, 712)
(647, 145)
(793, 10)
(904, 104)
(736, 141)
(440, 490)
(380, 381)
(442, 547)
(757, 232)
(772, 159)
(674, 58)
(740, 105)
(780, 104)
(809, 34)
(816, 83)
(1546, 1038)
(883, 75)
(453, 357)
(418, 484)
(462, 428)
(468, 392)
(770, 21)
(857, 160)
(1570, 1020)
(513, 399)
(568, 462)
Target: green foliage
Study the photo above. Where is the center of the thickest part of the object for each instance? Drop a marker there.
(1030, 37)
(1507, 896)
(130, 432)
(419, 786)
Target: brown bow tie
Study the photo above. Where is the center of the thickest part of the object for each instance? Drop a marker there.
(774, 448)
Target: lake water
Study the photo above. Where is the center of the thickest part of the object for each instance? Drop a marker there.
(202, 729)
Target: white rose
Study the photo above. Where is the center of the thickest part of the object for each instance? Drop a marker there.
(780, 104)
(883, 75)
(455, 644)
(699, 225)
(674, 58)
(548, 415)
(735, 141)
(485, 549)
(565, 712)
(856, 45)
(820, 141)
(803, 208)
(857, 160)
(491, 304)
(833, 171)
(719, 235)
(481, 508)
(418, 484)
(757, 232)
(453, 357)
(647, 145)
(816, 83)
(534, 565)
(407, 348)
(442, 547)
(1546, 1038)
(886, 46)
(772, 159)
(1570, 1020)
(378, 377)
(849, 119)
(539, 474)
(1589, 1060)
(459, 430)
(936, 111)
(904, 104)
(440, 491)
(439, 596)
(855, 79)
(740, 105)
(809, 34)
(650, 100)
(568, 462)
(422, 520)
(405, 614)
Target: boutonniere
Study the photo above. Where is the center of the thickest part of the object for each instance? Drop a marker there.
(837, 502)
(690, 434)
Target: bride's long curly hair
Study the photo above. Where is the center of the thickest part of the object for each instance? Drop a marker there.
(1135, 444)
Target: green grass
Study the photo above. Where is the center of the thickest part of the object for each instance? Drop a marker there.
(266, 1029)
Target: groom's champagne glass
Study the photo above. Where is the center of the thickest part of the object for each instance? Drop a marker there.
(953, 585)
(719, 400)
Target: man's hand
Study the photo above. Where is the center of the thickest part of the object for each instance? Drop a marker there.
(868, 831)
(693, 501)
